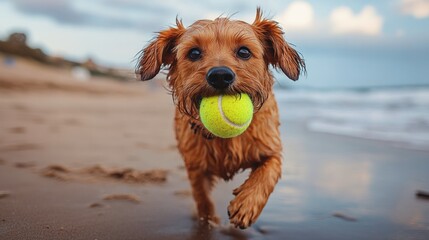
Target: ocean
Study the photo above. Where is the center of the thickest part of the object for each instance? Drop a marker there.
(399, 115)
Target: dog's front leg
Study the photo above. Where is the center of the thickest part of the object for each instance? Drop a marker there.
(201, 184)
(252, 195)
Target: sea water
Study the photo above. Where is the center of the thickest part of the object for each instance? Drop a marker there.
(396, 114)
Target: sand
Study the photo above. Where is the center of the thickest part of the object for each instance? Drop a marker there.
(89, 160)
(98, 160)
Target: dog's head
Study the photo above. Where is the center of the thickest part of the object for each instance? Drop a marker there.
(222, 56)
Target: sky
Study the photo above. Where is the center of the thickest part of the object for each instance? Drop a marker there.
(347, 43)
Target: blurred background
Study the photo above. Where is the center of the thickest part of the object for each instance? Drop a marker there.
(374, 54)
(346, 44)
(355, 127)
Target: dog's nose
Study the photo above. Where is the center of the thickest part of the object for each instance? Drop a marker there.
(220, 77)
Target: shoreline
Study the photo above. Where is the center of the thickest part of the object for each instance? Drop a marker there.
(393, 144)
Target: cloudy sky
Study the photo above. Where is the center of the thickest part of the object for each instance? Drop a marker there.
(345, 43)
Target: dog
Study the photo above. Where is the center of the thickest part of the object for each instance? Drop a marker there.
(224, 56)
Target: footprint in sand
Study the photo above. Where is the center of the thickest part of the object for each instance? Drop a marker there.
(17, 130)
(4, 194)
(183, 193)
(25, 164)
(123, 197)
(20, 147)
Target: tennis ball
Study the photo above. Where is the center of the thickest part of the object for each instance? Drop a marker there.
(226, 116)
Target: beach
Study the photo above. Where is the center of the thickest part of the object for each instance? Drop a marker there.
(98, 160)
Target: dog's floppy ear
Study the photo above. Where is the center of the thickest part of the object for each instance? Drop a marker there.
(276, 50)
(159, 52)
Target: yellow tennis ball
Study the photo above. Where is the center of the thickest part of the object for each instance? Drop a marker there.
(226, 116)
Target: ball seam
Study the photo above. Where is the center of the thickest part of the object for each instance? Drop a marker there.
(226, 119)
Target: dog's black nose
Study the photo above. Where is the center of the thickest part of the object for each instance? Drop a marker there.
(220, 77)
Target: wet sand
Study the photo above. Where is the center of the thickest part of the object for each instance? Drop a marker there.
(102, 164)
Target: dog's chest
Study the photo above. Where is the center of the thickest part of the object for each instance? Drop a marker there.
(225, 157)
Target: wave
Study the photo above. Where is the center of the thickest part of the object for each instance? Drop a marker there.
(390, 114)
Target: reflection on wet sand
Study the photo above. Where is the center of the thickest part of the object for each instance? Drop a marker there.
(369, 185)
(342, 179)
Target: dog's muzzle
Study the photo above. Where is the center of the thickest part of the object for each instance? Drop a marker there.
(220, 77)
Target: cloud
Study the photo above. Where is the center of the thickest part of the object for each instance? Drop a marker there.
(416, 8)
(151, 16)
(64, 12)
(131, 14)
(367, 22)
(299, 15)
(59, 10)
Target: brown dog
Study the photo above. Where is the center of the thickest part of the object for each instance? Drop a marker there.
(225, 57)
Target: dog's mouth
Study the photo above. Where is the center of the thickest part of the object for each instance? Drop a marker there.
(190, 104)
(198, 99)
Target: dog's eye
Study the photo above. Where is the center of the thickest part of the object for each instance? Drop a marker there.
(244, 53)
(194, 54)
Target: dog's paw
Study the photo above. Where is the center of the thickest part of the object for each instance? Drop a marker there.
(244, 209)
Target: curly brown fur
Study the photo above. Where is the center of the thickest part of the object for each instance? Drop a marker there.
(259, 148)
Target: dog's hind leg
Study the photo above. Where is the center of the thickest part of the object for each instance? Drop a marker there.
(252, 195)
(202, 184)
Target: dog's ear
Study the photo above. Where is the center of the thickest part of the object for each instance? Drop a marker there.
(159, 52)
(276, 50)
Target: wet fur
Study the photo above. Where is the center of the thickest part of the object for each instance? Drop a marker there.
(259, 148)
